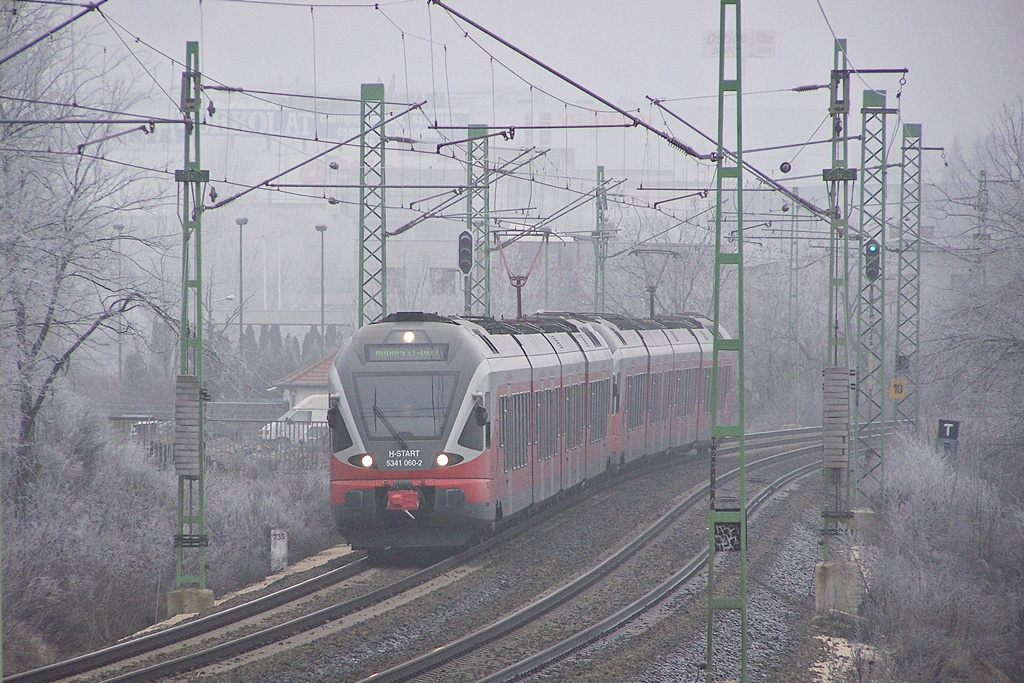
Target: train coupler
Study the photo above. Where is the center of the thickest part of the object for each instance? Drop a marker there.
(403, 498)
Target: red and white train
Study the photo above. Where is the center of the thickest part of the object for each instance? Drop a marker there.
(443, 427)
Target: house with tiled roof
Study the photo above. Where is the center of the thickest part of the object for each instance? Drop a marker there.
(307, 381)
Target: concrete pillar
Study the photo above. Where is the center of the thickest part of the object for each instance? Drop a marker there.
(863, 523)
(838, 586)
(188, 601)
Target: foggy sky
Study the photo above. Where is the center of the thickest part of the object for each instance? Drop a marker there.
(965, 58)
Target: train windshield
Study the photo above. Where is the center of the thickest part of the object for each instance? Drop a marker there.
(406, 406)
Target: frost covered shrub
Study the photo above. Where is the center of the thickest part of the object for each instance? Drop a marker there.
(248, 495)
(945, 582)
(87, 558)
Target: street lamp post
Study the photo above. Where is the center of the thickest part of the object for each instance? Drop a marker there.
(241, 298)
(323, 340)
(210, 301)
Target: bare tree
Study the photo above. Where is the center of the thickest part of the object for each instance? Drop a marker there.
(977, 351)
(682, 281)
(59, 249)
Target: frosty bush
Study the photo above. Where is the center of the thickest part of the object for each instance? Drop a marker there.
(247, 496)
(946, 580)
(86, 560)
(90, 558)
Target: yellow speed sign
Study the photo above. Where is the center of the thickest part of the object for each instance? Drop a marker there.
(898, 388)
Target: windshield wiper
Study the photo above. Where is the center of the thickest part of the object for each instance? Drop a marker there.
(387, 423)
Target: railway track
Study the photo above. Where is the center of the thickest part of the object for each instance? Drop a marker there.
(167, 652)
(434, 660)
(609, 625)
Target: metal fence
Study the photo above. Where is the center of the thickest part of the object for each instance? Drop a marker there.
(276, 444)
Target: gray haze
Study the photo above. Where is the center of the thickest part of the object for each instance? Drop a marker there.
(965, 58)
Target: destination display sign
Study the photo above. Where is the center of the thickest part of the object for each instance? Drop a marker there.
(391, 352)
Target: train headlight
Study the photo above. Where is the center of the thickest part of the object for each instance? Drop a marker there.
(364, 460)
(408, 336)
(447, 459)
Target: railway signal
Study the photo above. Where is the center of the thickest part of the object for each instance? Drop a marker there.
(465, 252)
(872, 260)
(948, 441)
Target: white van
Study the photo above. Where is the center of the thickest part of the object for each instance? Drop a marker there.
(304, 424)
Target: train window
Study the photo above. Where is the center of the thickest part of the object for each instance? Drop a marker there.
(504, 428)
(680, 396)
(694, 398)
(581, 413)
(406, 406)
(515, 429)
(521, 406)
(600, 404)
(541, 424)
(724, 377)
(553, 421)
(574, 416)
(570, 419)
(686, 392)
(473, 433)
(636, 401)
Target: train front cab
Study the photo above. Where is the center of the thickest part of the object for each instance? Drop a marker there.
(395, 480)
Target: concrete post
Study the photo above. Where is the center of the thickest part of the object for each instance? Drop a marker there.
(278, 550)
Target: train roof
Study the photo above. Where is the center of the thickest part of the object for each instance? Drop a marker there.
(546, 322)
(416, 317)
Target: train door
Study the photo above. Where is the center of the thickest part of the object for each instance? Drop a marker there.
(576, 428)
(514, 410)
(499, 442)
(571, 429)
(655, 432)
(547, 479)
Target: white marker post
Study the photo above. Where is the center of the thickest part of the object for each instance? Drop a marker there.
(278, 550)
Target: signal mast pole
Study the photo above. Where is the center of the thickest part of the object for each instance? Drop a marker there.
(908, 283)
(373, 291)
(727, 526)
(870, 406)
(191, 594)
(836, 403)
(478, 218)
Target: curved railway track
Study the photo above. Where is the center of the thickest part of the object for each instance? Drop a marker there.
(468, 644)
(620, 618)
(167, 652)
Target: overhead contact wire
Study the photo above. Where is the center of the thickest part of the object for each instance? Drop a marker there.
(636, 120)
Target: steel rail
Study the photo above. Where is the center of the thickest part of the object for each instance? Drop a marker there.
(190, 629)
(626, 614)
(473, 641)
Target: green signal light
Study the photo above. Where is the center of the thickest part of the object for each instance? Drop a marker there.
(872, 260)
